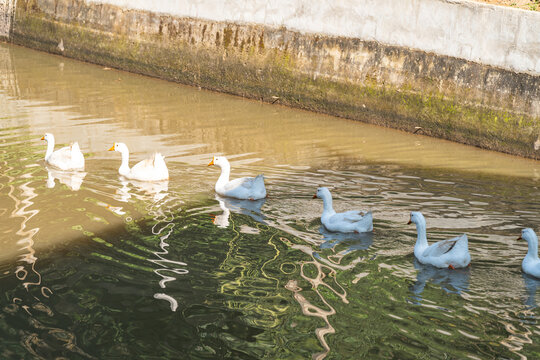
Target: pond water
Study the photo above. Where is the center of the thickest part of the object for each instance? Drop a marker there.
(93, 266)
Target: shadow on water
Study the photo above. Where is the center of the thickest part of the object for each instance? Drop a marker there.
(29, 295)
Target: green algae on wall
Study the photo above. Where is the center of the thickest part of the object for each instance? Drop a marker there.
(391, 86)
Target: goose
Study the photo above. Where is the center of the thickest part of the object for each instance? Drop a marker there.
(451, 253)
(246, 188)
(151, 169)
(531, 262)
(66, 158)
(345, 222)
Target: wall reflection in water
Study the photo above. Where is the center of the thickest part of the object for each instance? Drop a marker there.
(177, 121)
(34, 299)
(321, 273)
(163, 213)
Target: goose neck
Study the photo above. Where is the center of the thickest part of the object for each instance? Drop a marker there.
(124, 167)
(421, 240)
(327, 204)
(50, 148)
(533, 248)
(225, 173)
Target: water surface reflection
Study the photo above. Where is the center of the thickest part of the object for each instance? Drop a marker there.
(452, 281)
(251, 208)
(72, 180)
(108, 268)
(531, 286)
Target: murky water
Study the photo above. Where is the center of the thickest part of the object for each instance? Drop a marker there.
(94, 267)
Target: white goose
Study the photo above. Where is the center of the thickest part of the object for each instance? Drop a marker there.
(151, 169)
(531, 262)
(451, 253)
(346, 222)
(246, 188)
(66, 158)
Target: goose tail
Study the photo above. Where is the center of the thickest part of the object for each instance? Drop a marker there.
(366, 224)
(259, 184)
(75, 147)
(159, 160)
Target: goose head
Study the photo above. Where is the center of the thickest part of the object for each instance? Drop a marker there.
(220, 161)
(48, 137)
(417, 218)
(322, 193)
(529, 235)
(120, 147)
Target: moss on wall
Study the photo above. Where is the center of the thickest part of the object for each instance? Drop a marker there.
(395, 87)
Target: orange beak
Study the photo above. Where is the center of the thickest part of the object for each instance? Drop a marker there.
(43, 138)
(519, 238)
(211, 163)
(315, 196)
(112, 148)
(410, 222)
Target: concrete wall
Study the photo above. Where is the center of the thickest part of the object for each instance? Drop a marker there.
(492, 35)
(7, 8)
(317, 59)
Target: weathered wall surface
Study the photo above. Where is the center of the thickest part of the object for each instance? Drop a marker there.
(333, 72)
(500, 36)
(7, 8)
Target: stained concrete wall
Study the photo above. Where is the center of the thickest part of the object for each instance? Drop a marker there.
(300, 56)
(7, 8)
(493, 35)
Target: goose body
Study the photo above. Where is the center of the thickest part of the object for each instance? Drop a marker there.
(246, 188)
(66, 158)
(531, 262)
(345, 222)
(151, 169)
(451, 253)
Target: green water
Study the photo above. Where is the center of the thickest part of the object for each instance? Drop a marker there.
(96, 267)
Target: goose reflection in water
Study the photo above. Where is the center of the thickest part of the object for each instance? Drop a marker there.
(355, 241)
(252, 208)
(350, 242)
(156, 190)
(72, 179)
(452, 281)
(531, 286)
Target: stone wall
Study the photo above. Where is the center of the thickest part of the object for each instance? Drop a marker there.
(279, 60)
